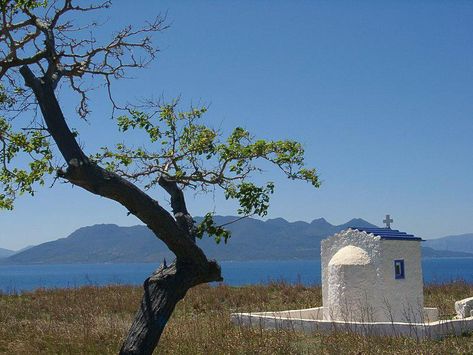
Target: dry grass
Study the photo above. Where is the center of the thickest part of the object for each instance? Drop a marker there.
(92, 320)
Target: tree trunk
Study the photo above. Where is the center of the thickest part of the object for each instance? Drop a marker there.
(168, 285)
(156, 307)
(162, 291)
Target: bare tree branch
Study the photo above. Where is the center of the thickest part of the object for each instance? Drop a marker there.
(178, 205)
(44, 39)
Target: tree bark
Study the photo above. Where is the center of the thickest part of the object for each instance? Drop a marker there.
(156, 307)
(162, 292)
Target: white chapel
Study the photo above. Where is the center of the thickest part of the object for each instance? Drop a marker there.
(371, 285)
(372, 275)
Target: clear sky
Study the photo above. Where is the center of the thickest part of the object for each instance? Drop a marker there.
(379, 93)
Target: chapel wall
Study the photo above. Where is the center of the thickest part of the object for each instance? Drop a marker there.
(346, 287)
(351, 293)
(403, 299)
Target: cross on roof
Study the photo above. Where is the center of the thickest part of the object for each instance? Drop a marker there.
(388, 221)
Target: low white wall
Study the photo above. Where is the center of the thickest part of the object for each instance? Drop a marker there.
(431, 314)
(309, 313)
(431, 330)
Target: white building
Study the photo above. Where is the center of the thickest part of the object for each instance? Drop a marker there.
(372, 275)
(371, 285)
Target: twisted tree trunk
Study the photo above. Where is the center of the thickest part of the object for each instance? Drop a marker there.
(162, 292)
(168, 285)
(156, 307)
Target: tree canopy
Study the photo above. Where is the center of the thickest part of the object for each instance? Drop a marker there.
(197, 156)
(181, 147)
(42, 50)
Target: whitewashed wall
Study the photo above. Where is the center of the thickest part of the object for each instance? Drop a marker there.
(404, 297)
(352, 279)
(369, 291)
(348, 290)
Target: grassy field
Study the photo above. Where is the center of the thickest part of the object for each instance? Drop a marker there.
(93, 320)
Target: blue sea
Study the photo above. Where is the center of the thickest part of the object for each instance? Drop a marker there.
(18, 278)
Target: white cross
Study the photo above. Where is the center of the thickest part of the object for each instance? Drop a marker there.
(388, 221)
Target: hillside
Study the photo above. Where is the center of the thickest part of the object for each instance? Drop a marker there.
(456, 243)
(97, 244)
(428, 252)
(252, 239)
(4, 253)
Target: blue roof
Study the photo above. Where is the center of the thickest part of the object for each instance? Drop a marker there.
(388, 233)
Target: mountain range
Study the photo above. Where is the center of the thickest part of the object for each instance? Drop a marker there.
(455, 243)
(252, 239)
(4, 253)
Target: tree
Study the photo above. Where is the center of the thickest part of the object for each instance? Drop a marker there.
(44, 51)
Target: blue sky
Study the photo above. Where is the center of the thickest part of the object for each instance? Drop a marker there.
(379, 93)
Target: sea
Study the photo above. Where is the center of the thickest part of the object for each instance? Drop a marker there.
(22, 278)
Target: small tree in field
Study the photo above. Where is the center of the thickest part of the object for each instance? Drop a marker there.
(42, 52)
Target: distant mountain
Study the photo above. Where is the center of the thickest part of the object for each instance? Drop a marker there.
(25, 248)
(277, 239)
(459, 243)
(101, 243)
(428, 252)
(4, 253)
(251, 239)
